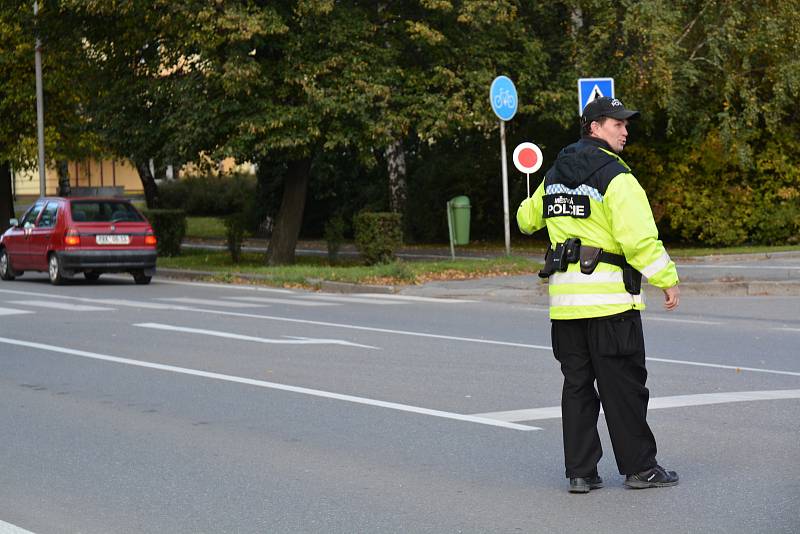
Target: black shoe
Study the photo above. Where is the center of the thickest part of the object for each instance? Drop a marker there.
(656, 477)
(584, 484)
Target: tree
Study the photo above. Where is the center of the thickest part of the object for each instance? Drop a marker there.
(155, 97)
(13, 51)
(65, 137)
(306, 79)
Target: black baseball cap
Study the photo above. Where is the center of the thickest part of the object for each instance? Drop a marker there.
(607, 107)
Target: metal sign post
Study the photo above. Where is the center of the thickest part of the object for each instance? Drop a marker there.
(505, 186)
(503, 98)
(451, 232)
(39, 108)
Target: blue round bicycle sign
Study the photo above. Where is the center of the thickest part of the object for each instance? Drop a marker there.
(503, 97)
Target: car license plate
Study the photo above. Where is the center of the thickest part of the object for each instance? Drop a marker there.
(117, 239)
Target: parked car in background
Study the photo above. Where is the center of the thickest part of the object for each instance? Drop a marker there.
(66, 236)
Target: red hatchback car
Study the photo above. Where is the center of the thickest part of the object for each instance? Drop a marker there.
(66, 236)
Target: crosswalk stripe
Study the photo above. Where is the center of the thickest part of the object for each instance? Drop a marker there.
(291, 302)
(136, 304)
(55, 305)
(413, 298)
(13, 311)
(657, 403)
(213, 302)
(9, 528)
(353, 300)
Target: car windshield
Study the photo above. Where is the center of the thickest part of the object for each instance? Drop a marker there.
(103, 211)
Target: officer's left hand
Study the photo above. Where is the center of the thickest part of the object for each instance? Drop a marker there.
(671, 298)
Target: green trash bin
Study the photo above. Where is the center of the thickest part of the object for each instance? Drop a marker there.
(459, 214)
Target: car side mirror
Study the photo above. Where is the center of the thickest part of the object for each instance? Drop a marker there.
(13, 222)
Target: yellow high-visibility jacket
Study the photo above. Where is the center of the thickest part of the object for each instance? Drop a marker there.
(590, 193)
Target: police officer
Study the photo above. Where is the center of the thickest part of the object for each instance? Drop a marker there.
(603, 239)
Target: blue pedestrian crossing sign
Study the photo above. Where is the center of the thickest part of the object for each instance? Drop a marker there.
(591, 88)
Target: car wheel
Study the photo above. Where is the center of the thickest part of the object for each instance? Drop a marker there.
(91, 276)
(140, 278)
(56, 272)
(5, 266)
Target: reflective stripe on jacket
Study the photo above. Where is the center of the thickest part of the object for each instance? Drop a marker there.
(619, 220)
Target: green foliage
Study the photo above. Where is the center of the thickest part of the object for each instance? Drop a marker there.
(208, 195)
(310, 270)
(170, 229)
(377, 235)
(235, 228)
(334, 236)
(704, 195)
(337, 82)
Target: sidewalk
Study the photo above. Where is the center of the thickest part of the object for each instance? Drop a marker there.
(773, 274)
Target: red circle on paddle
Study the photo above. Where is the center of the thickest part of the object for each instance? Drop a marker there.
(527, 158)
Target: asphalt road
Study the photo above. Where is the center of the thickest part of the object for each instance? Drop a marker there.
(181, 407)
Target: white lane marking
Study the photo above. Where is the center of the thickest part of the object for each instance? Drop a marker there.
(720, 366)
(432, 336)
(268, 385)
(786, 329)
(659, 403)
(212, 302)
(354, 300)
(13, 311)
(138, 304)
(689, 266)
(111, 302)
(324, 323)
(53, 305)
(368, 328)
(227, 286)
(8, 528)
(291, 302)
(473, 340)
(412, 298)
(672, 320)
(293, 340)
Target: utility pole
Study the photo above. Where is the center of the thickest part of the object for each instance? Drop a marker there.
(40, 107)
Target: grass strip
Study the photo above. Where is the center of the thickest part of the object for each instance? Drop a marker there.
(308, 269)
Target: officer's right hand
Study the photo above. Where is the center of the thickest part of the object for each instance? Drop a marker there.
(671, 297)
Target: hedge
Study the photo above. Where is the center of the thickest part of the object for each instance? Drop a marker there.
(170, 229)
(378, 235)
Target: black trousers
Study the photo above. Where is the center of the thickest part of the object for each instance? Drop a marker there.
(609, 350)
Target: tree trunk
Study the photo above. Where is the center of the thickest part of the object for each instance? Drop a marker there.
(396, 165)
(290, 215)
(6, 196)
(149, 183)
(64, 188)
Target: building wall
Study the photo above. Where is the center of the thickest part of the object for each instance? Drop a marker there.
(87, 173)
(107, 173)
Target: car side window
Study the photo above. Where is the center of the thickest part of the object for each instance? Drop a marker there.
(31, 215)
(49, 215)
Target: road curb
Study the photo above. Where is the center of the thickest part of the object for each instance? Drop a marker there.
(524, 293)
(323, 285)
(348, 287)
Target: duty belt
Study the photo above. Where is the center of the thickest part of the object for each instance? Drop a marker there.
(571, 251)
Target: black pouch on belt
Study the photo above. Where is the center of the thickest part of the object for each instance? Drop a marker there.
(572, 252)
(590, 257)
(548, 268)
(632, 279)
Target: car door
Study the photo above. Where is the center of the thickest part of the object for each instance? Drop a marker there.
(17, 244)
(41, 235)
